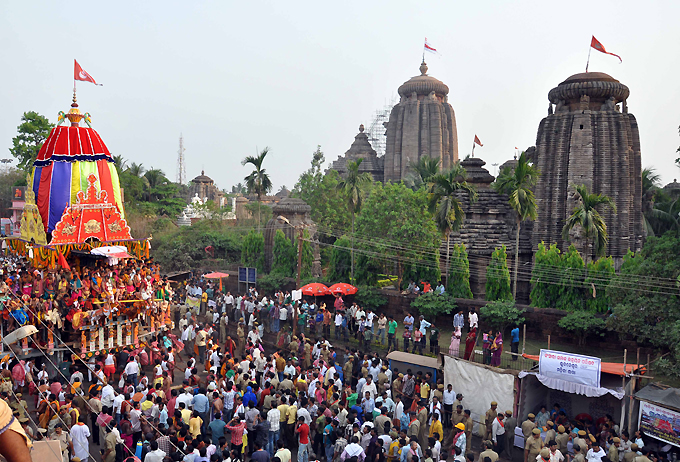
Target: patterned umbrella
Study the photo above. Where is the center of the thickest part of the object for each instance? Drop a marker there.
(342, 288)
(315, 289)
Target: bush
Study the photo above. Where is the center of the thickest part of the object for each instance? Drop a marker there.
(284, 256)
(500, 314)
(270, 283)
(498, 276)
(370, 298)
(582, 324)
(459, 273)
(431, 304)
(340, 260)
(252, 253)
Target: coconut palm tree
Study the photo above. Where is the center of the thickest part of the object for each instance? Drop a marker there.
(650, 188)
(354, 187)
(588, 218)
(422, 171)
(443, 202)
(136, 169)
(119, 162)
(517, 184)
(258, 181)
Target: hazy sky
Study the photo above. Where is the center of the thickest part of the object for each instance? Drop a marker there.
(234, 77)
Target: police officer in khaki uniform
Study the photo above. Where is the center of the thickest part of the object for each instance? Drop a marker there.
(631, 455)
(458, 415)
(488, 452)
(510, 424)
(562, 439)
(613, 454)
(491, 414)
(527, 426)
(468, 428)
(533, 446)
(550, 433)
(581, 441)
(579, 455)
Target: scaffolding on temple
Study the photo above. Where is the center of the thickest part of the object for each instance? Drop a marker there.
(376, 130)
(181, 163)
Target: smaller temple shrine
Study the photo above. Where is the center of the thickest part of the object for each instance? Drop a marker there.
(361, 149)
(204, 187)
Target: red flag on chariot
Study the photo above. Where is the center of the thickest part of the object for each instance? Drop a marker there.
(80, 74)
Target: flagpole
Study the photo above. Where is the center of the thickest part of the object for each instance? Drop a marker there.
(473, 148)
(590, 47)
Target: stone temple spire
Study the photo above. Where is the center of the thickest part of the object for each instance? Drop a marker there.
(423, 123)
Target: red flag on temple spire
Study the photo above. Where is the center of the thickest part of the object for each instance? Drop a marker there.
(595, 43)
(477, 141)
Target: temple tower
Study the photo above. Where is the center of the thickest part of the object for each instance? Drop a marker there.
(421, 124)
(588, 139)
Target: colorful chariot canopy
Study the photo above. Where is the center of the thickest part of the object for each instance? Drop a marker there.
(65, 161)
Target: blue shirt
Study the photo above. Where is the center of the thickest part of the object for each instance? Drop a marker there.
(217, 427)
(201, 403)
(514, 333)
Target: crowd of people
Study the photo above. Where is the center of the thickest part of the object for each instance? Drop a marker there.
(250, 377)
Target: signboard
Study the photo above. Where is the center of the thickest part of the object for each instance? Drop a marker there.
(660, 423)
(570, 367)
(247, 275)
(18, 193)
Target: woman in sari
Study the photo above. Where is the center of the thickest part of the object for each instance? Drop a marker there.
(470, 341)
(454, 348)
(496, 349)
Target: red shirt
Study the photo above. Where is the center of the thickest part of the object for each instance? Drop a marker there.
(303, 431)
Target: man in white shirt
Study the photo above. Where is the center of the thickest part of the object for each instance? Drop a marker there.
(473, 319)
(108, 395)
(369, 387)
(595, 453)
(498, 433)
(132, 370)
(184, 397)
(117, 404)
(448, 398)
(398, 408)
(423, 326)
(155, 454)
(274, 419)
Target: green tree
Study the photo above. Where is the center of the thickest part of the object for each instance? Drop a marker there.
(583, 325)
(270, 283)
(421, 171)
(258, 182)
(571, 294)
(354, 187)
(32, 133)
(367, 270)
(500, 314)
(545, 291)
(321, 193)
(651, 181)
(340, 261)
(252, 254)
(518, 184)
(398, 233)
(284, 255)
(646, 300)
(370, 298)
(9, 177)
(444, 204)
(459, 285)
(586, 217)
(498, 276)
(600, 274)
(307, 255)
(432, 305)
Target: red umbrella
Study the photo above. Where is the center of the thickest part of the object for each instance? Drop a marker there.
(216, 275)
(315, 289)
(342, 288)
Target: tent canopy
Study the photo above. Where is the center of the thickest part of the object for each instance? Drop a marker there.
(660, 394)
(111, 251)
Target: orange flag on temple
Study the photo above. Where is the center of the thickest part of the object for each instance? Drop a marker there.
(477, 141)
(595, 43)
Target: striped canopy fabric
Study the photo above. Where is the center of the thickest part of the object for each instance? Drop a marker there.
(66, 159)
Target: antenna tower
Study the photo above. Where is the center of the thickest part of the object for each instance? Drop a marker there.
(181, 164)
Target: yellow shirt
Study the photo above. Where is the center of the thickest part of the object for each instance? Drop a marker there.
(425, 390)
(186, 415)
(283, 410)
(204, 297)
(195, 426)
(394, 450)
(292, 413)
(436, 427)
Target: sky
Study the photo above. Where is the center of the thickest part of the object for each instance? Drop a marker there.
(236, 77)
